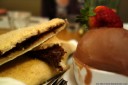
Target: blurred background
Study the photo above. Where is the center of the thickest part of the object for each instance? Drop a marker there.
(53, 8)
(20, 13)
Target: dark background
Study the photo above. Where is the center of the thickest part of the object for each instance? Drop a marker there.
(46, 8)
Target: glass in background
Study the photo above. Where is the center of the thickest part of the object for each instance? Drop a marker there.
(2, 13)
(18, 19)
(63, 11)
(71, 10)
(61, 8)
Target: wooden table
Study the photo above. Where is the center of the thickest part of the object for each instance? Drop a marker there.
(2, 30)
(68, 35)
(64, 34)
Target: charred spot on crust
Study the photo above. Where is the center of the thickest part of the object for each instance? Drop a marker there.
(51, 55)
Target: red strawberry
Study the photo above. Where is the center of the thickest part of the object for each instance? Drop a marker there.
(101, 16)
(105, 17)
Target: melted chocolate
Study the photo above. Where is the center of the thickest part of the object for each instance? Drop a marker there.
(88, 77)
(105, 49)
(51, 55)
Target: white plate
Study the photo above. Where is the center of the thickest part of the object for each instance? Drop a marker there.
(69, 74)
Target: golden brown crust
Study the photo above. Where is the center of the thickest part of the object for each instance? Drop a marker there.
(33, 71)
(28, 70)
(9, 40)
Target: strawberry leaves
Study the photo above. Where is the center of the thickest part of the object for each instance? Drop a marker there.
(85, 13)
(92, 17)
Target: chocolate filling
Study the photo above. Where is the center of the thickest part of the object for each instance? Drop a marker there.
(28, 42)
(51, 55)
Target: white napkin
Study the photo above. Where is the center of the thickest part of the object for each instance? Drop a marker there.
(10, 81)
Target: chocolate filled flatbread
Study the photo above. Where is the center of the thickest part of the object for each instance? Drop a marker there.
(33, 68)
(18, 42)
(54, 51)
(30, 71)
